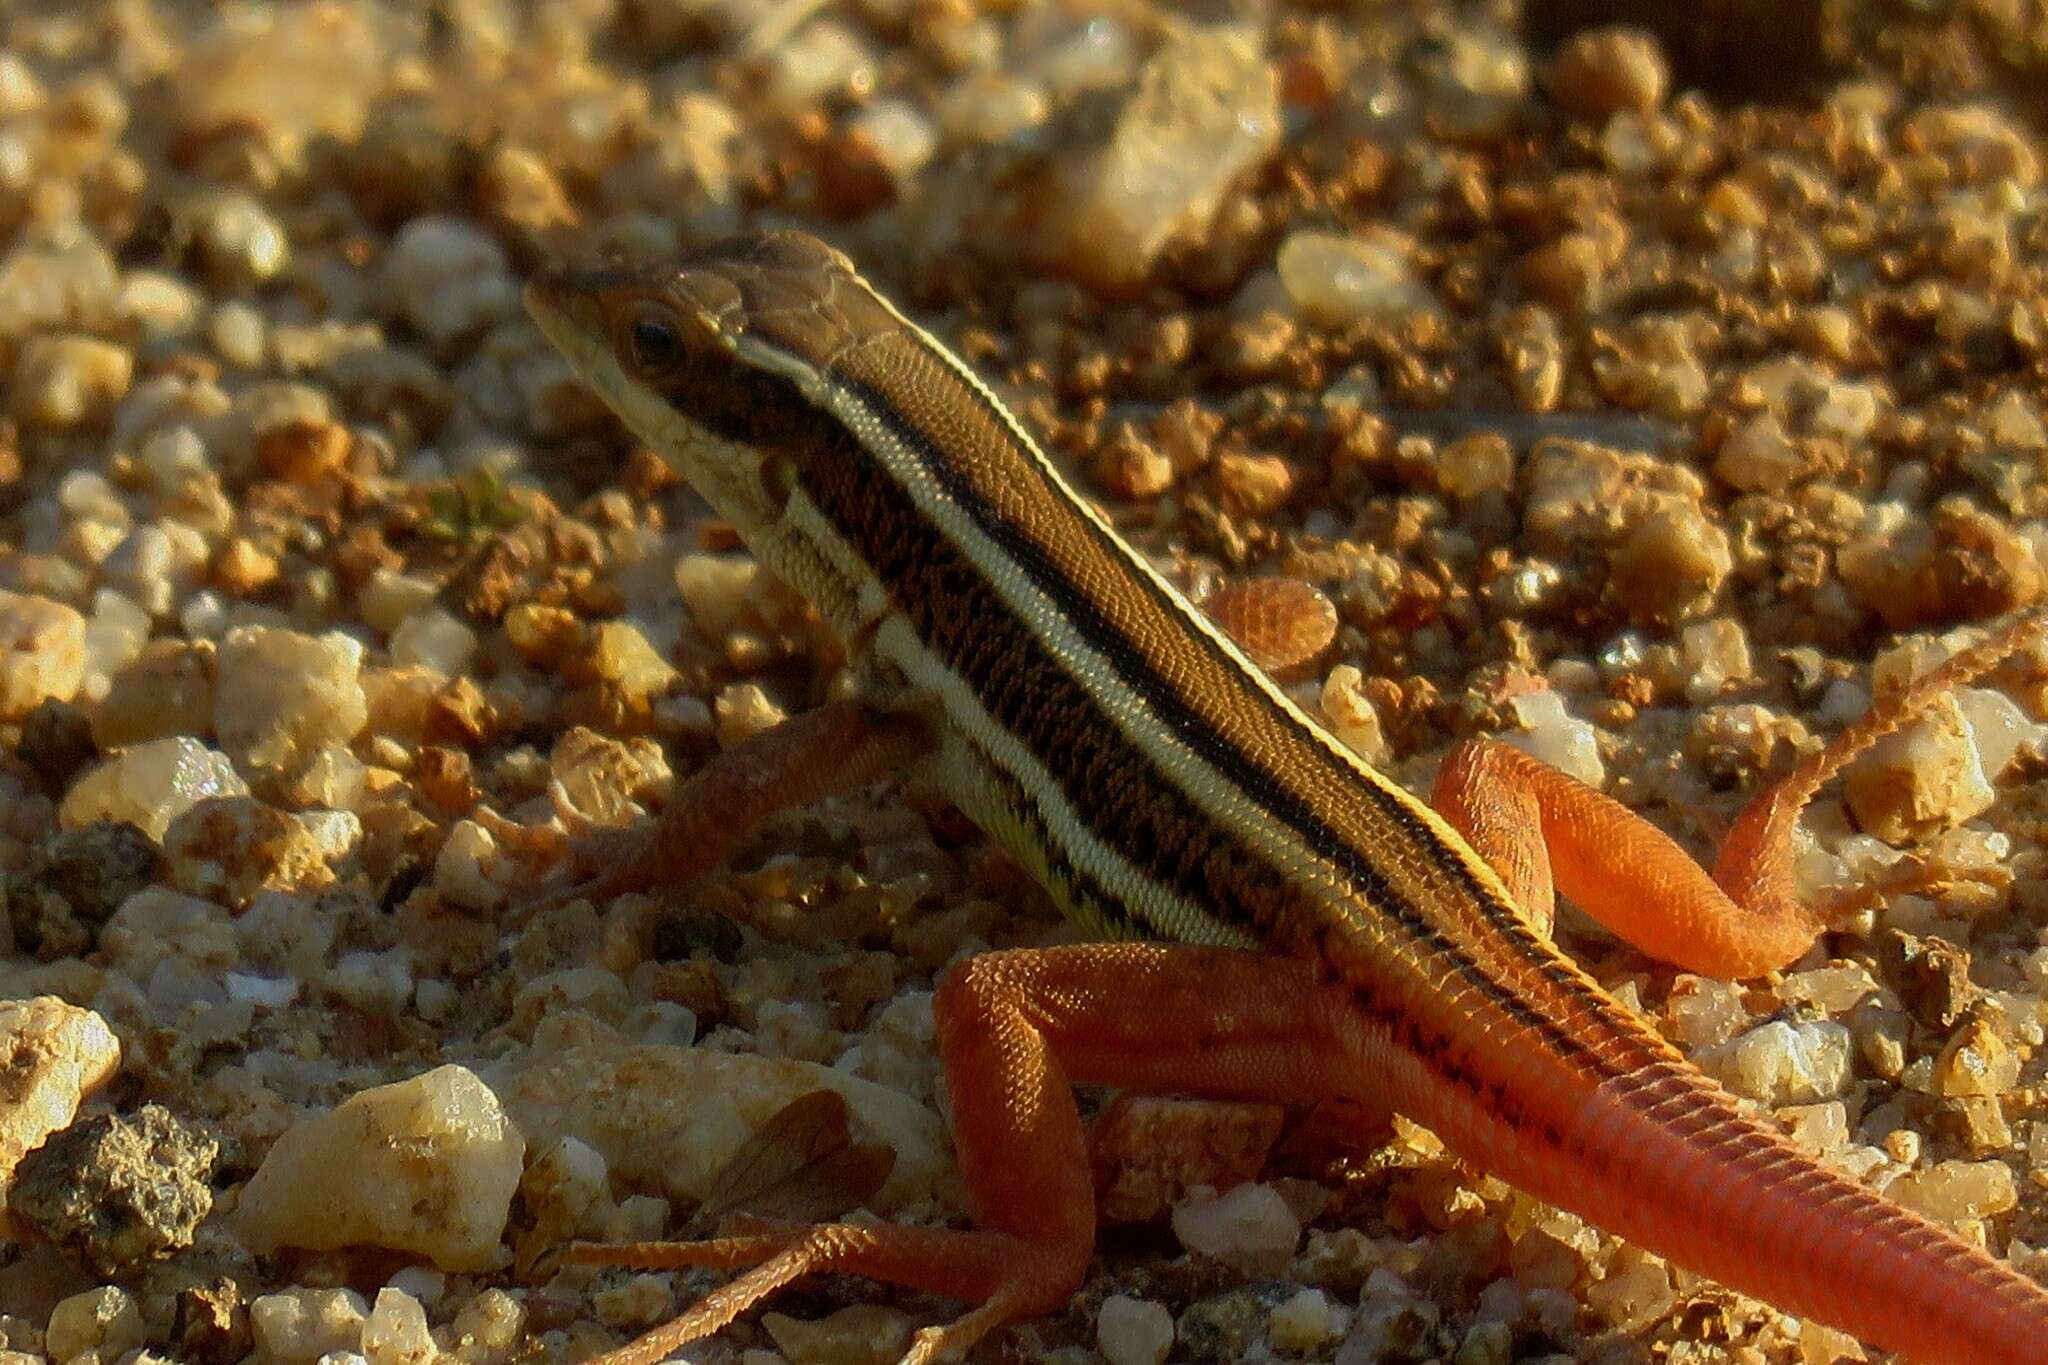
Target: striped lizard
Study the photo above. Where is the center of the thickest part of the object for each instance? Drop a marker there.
(1282, 922)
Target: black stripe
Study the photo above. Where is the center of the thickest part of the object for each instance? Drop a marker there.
(1267, 788)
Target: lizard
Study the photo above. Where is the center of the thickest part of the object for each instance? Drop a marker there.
(1274, 919)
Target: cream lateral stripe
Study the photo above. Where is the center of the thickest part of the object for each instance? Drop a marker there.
(927, 672)
(1216, 793)
(1077, 840)
(895, 641)
(1493, 967)
(1047, 622)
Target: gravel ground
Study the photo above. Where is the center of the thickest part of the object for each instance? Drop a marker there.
(1645, 402)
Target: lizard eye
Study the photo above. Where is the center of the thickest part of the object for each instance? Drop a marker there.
(653, 341)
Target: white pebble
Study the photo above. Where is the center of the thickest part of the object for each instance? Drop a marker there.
(450, 278)
(62, 381)
(1204, 109)
(421, 1282)
(396, 1333)
(104, 1320)
(427, 1165)
(1250, 1228)
(42, 653)
(1782, 1062)
(463, 868)
(433, 639)
(271, 992)
(1302, 1322)
(283, 696)
(824, 58)
(1133, 1331)
(1339, 281)
(373, 983)
(1565, 742)
(1351, 716)
(899, 134)
(565, 1185)
(242, 238)
(307, 1324)
(53, 1055)
(151, 784)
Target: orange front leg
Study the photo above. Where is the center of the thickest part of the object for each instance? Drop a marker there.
(1546, 832)
(1016, 1030)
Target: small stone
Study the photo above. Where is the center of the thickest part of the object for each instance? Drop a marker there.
(396, 1332)
(210, 1323)
(1931, 975)
(1920, 781)
(290, 75)
(1634, 1295)
(565, 1187)
(1781, 1062)
(427, 1165)
(596, 778)
(1483, 462)
(167, 689)
(43, 285)
(1822, 1129)
(233, 848)
(1390, 1324)
(42, 653)
(118, 1191)
(1131, 1331)
(239, 239)
(1567, 274)
(67, 381)
(449, 278)
(897, 135)
(1715, 655)
(469, 871)
(1149, 1152)
(1978, 1059)
(1250, 1228)
(1303, 1322)
(73, 882)
(53, 1055)
(489, 1326)
(622, 655)
(820, 59)
(1758, 457)
(433, 639)
(1336, 281)
(1351, 716)
(645, 1300)
(1706, 1012)
(151, 784)
(743, 711)
(1605, 71)
(303, 452)
(56, 744)
(104, 1321)
(1558, 738)
(1955, 1191)
(1204, 109)
(157, 925)
(283, 696)
(299, 1326)
(865, 1334)
(1671, 564)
